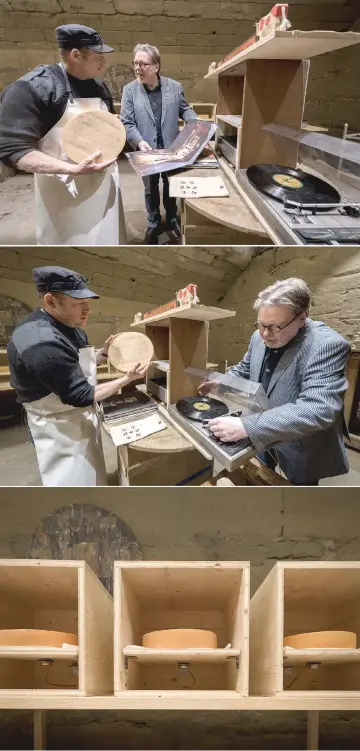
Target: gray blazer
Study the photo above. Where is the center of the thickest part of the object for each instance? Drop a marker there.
(138, 118)
(306, 395)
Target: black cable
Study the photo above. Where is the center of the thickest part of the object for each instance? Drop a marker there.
(294, 679)
(56, 685)
(194, 679)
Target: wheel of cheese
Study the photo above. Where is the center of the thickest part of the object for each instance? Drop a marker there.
(28, 637)
(322, 640)
(93, 130)
(180, 638)
(128, 349)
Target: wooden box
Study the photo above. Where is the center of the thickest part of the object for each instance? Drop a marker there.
(56, 596)
(304, 597)
(153, 596)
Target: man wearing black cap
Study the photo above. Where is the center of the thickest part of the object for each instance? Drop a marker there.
(75, 203)
(53, 371)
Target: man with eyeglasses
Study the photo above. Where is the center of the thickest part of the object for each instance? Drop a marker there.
(150, 110)
(301, 365)
(53, 371)
(75, 204)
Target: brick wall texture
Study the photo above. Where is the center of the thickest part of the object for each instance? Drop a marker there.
(190, 36)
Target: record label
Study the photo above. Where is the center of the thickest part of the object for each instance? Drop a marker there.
(287, 184)
(201, 407)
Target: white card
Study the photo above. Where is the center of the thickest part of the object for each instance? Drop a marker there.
(197, 187)
(129, 432)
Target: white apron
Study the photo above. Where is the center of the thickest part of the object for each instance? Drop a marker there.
(68, 439)
(82, 209)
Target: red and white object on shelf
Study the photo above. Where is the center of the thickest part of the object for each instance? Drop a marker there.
(186, 296)
(276, 20)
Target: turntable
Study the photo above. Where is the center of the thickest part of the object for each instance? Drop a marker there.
(301, 206)
(228, 395)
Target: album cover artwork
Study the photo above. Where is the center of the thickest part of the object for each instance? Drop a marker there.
(187, 146)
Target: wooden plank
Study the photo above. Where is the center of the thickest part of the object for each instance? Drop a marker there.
(39, 730)
(229, 95)
(154, 656)
(188, 312)
(330, 701)
(96, 634)
(231, 211)
(188, 348)
(266, 635)
(274, 92)
(293, 657)
(35, 653)
(287, 45)
(313, 727)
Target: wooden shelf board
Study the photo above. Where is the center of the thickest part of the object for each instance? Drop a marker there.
(182, 700)
(234, 120)
(180, 655)
(189, 312)
(287, 45)
(39, 653)
(294, 657)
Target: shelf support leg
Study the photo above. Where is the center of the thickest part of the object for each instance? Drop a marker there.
(39, 730)
(313, 724)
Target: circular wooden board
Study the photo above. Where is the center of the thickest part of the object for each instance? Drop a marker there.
(30, 637)
(180, 638)
(322, 640)
(128, 349)
(94, 130)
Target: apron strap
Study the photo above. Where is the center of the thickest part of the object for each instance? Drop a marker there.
(67, 83)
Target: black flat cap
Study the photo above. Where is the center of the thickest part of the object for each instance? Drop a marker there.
(74, 36)
(58, 279)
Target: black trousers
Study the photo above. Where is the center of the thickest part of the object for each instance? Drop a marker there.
(269, 461)
(152, 200)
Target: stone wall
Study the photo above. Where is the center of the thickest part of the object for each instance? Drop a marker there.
(190, 35)
(190, 525)
(129, 280)
(332, 274)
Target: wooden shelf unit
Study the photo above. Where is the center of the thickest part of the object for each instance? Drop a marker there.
(151, 596)
(299, 597)
(267, 83)
(180, 338)
(56, 596)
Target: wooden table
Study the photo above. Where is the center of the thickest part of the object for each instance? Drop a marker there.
(220, 221)
(163, 458)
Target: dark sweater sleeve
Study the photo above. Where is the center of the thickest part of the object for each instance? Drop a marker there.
(20, 122)
(58, 370)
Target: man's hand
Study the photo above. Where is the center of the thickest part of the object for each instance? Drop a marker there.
(208, 386)
(106, 345)
(228, 428)
(89, 166)
(135, 373)
(143, 146)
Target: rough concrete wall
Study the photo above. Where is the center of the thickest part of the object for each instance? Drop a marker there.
(196, 524)
(333, 276)
(190, 35)
(333, 91)
(129, 280)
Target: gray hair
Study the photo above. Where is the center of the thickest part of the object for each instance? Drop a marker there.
(150, 50)
(293, 292)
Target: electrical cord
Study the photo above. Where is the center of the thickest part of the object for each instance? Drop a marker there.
(56, 685)
(194, 679)
(294, 679)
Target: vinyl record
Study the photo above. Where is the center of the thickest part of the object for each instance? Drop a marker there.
(201, 407)
(286, 184)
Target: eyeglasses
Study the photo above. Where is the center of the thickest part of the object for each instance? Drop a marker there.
(272, 329)
(141, 65)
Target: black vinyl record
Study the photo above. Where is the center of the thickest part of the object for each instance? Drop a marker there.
(286, 184)
(201, 407)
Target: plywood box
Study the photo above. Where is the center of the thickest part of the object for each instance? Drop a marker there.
(154, 596)
(56, 596)
(299, 597)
